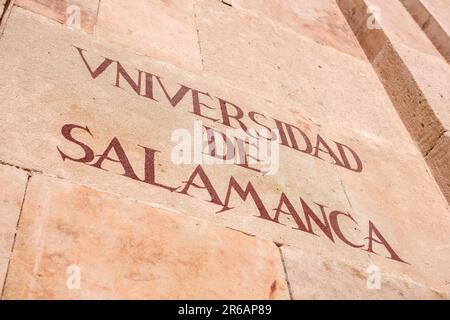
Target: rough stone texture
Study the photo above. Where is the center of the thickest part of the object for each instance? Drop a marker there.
(164, 30)
(59, 10)
(320, 20)
(346, 281)
(433, 16)
(412, 70)
(126, 249)
(13, 183)
(422, 107)
(438, 159)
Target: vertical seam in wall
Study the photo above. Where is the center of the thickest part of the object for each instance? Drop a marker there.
(15, 234)
(198, 34)
(98, 7)
(96, 16)
(346, 194)
(285, 273)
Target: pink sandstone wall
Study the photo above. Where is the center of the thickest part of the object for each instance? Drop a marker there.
(93, 205)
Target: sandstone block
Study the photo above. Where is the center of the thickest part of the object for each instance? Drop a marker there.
(396, 181)
(164, 30)
(316, 277)
(78, 243)
(320, 20)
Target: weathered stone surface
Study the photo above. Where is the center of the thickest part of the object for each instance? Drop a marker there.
(61, 10)
(317, 277)
(111, 112)
(320, 20)
(164, 30)
(285, 77)
(420, 102)
(433, 16)
(125, 249)
(376, 22)
(411, 69)
(419, 88)
(48, 90)
(13, 183)
(438, 160)
(389, 194)
(440, 10)
(294, 74)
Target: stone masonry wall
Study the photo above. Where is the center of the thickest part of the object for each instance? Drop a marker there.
(97, 95)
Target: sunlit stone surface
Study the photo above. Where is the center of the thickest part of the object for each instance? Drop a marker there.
(95, 108)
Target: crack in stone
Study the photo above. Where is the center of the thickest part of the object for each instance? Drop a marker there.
(198, 34)
(122, 197)
(227, 3)
(285, 273)
(15, 234)
(346, 195)
(98, 7)
(96, 16)
(435, 142)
